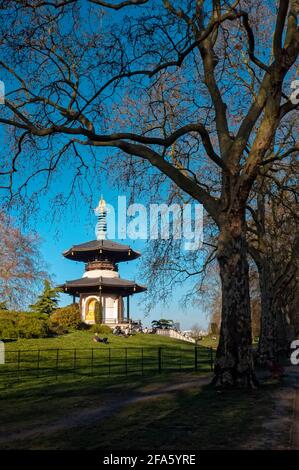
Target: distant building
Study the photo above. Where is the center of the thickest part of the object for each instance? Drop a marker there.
(101, 290)
(177, 326)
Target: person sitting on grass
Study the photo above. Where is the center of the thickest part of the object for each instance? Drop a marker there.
(97, 339)
(117, 330)
(127, 332)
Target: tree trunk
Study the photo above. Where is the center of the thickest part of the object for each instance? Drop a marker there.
(283, 333)
(234, 359)
(267, 348)
(275, 335)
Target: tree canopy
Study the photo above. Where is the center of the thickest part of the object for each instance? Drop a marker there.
(46, 301)
(192, 95)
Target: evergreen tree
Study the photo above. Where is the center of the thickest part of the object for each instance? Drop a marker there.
(3, 305)
(98, 314)
(162, 324)
(47, 301)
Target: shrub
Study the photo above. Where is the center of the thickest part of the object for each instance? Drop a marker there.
(67, 317)
(32, 327)
(23, 325)
(98, 312)
(8, 329)
(84, 326)
(57, 330)
(101, 329)
(11, 315)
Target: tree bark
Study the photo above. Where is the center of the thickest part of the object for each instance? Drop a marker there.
(267, 347)
(234, 358)
(275, 333)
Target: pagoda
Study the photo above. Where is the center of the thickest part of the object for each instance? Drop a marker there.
(101, 290)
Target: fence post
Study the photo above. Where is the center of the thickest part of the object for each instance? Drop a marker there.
(126, 361)
(19, 360)
(91, 368)
(160, 360)
(75, 360)
(109, 362)
(180, 358)
(57, 363)
(38, 360)
(42, 368)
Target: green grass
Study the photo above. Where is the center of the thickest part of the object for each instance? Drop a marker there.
(193, 418)
(76, 354)
(152, 411)
(83, 339)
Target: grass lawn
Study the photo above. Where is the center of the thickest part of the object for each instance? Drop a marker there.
(76, 353)
(169, 411)
(90, 409)
(83, 339)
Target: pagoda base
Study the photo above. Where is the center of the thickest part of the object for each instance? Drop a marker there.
(106, 309)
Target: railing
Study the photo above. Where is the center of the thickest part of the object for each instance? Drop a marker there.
(103, 361)
(175, 334)
(115, 321)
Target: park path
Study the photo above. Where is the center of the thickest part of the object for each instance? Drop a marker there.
(89, 416)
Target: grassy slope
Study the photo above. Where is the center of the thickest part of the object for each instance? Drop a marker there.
(139, 354)
(83, 339)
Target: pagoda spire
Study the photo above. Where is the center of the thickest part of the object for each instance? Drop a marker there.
(101, 226)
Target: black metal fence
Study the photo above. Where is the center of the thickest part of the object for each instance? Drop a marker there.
(105, 361)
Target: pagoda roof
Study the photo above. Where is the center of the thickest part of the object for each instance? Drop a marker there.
(104, 284)
(87, 251)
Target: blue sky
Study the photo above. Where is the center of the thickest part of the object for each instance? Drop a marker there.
(78, 226)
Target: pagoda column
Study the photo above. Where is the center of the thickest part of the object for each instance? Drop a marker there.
(128, 307)
(120, 315)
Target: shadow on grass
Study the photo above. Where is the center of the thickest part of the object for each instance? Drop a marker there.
(146, 416)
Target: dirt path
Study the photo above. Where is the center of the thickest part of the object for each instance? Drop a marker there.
(89, 416)
(281, 429)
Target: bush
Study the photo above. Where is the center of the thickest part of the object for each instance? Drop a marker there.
(57, 330)
(8, 329)
(67, 317)
(11, 315)
(32, 327)
(23, 325)
(101, 329)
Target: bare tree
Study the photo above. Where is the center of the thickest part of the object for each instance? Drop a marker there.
(21, 265)
(76, 86)
(196, 332)
(274, 245)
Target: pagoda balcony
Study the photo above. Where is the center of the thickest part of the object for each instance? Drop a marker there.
(102, 265)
